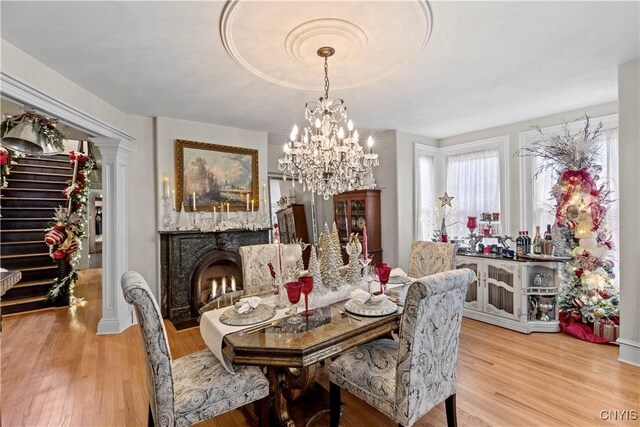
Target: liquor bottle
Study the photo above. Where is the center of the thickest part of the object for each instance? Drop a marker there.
(537, 247)
(528, 243)
(520, 244)
(547, 234)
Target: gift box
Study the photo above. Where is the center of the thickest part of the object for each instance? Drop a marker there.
(606, 328)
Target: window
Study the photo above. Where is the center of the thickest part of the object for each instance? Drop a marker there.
(474, 180)
(426, 179)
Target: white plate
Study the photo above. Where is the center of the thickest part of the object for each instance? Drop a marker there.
(383, 309)
(261, 313)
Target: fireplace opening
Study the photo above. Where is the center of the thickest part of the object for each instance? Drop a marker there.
(218, 274)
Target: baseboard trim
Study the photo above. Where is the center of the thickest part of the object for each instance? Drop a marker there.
(629, 351)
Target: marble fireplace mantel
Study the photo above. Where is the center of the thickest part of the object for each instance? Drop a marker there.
(181, 253)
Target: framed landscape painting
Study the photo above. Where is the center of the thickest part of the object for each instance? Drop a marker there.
(216, 175)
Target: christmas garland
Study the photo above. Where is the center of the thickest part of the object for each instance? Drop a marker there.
(588, 291)
(65, 235)
(5, 166)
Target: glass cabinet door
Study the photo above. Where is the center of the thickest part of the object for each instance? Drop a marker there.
(500, 297)
(472, 299)
(358, 218)
(341, 216)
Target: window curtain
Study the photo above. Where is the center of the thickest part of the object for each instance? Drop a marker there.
(426, 197)
(473, 179)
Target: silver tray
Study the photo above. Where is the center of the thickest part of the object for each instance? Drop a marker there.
(372, 310)
(259, 314)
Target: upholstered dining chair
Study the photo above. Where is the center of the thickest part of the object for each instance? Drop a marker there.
(192, 388)
(255, 264)
(428, 258)
(404, 379)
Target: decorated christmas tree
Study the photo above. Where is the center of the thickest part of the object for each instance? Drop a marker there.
(588, 290)
(335, 238)
(314, 271)
(330, 261)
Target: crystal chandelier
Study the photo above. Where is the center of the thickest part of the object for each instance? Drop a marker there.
(327, 158)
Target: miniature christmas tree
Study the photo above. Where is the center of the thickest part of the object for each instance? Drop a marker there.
(354, 249)
(335, 238)
(314, 271)
(330, 261)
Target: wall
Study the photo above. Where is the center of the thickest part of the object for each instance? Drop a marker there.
(513, 132)
(629, 112)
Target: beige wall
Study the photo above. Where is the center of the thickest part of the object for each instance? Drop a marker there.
(629, 117)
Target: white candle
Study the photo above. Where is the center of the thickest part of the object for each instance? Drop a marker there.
(214, 291)
(227, 210)
(224, 285)
(165, 187)
(233, 284)
(194, 200)
(214, 214)
(173, 198)
(252, 205)
(247, 201)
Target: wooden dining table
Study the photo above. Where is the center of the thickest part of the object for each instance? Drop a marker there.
(291, 352)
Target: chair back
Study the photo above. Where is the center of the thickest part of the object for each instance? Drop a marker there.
(428, 258)
(428, 349)
(157, 353)
(255, 264)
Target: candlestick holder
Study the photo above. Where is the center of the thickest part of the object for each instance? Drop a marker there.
(166, 218)
(194, 220)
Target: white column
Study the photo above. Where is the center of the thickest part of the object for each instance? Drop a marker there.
(629, 152)
(117, 315)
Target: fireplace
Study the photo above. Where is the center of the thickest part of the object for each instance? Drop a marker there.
(218, 273)
(192, 262)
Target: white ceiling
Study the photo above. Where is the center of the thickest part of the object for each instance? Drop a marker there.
(485, 64)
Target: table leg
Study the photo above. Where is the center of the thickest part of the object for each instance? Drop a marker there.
(287, 384)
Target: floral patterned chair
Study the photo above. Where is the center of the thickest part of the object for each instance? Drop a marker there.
(255, 264)
(192, 388)
(431, 257)
(406, 379)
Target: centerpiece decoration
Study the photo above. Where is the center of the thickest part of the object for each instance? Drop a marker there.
(65, 236)
(589, 295)
(354, 249)
(330, 258)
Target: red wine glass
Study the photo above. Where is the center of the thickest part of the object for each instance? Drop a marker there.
(293, 293)
(383, 271)
(306, 287)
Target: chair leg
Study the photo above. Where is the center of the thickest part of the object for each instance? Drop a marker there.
(263, 410)
(334, 404)
(450, 406)
(150, 422)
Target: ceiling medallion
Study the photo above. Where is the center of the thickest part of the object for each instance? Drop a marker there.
(278, 42)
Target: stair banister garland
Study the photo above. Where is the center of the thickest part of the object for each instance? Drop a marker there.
(65, 236)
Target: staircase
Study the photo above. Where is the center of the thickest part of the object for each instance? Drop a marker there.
(28, 203)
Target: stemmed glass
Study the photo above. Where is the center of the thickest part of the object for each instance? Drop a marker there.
(383, 271)
(306, 287)
(293, 293)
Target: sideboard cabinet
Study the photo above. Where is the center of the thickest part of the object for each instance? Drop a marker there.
(354, 209)
(518, 295)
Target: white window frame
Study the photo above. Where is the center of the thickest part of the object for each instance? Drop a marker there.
(526, 163)
(499, 143)
(424, 150)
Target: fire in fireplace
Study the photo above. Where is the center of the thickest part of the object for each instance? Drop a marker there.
(218, 274)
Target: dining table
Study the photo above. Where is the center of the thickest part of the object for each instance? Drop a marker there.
(290, 353)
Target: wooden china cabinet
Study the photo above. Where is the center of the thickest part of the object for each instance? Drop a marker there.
(293, 226)
(354, 209)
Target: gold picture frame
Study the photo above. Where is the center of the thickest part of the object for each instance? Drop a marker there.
(217, 174)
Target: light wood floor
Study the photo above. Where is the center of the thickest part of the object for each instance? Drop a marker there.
(56, 372)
